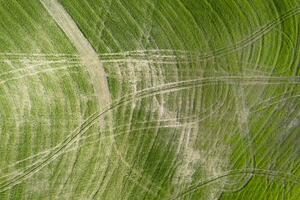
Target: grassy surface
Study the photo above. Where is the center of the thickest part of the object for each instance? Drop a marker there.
(205, 101)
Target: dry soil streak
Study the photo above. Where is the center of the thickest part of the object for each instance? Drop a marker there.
(86, 52)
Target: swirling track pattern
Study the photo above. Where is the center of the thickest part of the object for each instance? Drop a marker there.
(205, 100)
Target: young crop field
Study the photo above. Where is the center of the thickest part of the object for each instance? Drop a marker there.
(150, 99)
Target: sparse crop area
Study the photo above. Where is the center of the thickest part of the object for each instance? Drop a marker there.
(154, 99)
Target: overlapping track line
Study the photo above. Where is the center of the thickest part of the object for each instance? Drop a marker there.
(289, 90)
(34, 56)
(223, 97)
(219, 149)
(88, 57)
(98, 172)
(286, 177)
(166, 56)
(41, 87)
(179, 98)
(286, 141)
(122, 153)
(279, 41)
(116, 42)
(258, 137)
(115, 147)
(237, 189)
(253, 109)
(189, 135)
(148, 54)
(249, 145)
(258, 172)
(1, 177)
(167, 123)
(126, 99)
(22, 190)
(34, 65)
(216, 148)
(242, 186)
(283, 101)
(23, 98)
(226, 127)
(255, 137)
(139, 140)
(179, 146)
(43, 70)
(244, 125)
(260, 106)
(9, 109)
(142, 55)
(137, 151)
(41, 163)
(21, 69)
(158, 77)
(255, 36)
(256, 108)
(24, 84)
(60, 169)
(288, 93)
(253, 49)
(172, 137)
(243, 121)
(155, 136)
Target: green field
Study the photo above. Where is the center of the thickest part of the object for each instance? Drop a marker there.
(199, 99)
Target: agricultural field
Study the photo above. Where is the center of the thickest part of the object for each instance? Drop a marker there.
(150, 99)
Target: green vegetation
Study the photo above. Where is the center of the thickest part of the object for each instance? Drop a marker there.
(204, 100)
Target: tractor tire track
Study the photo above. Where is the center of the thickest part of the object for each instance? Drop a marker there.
(258, 172)
(165, 88)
